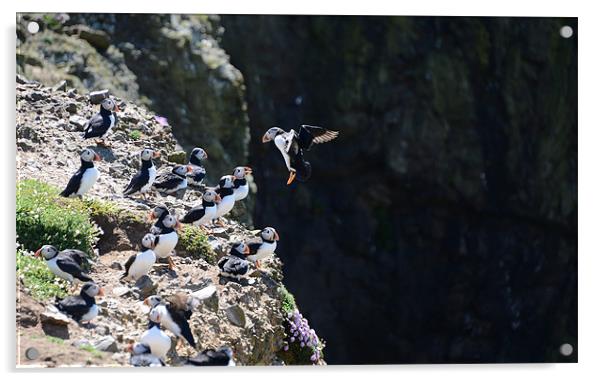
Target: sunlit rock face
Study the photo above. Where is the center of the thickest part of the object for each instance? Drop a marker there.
(442, 225)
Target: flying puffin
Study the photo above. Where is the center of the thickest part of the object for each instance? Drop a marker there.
(235, 264)
(141, 355)
(159, 212)
(140, 264)
(154, 337)
(82, 308)
(225, 189)
(166, 241)
(66, 264)
(173, 181)
(143, 180)
(292, 144)
(204, 213)
(241, 186)
(265, 247)
(102, 123)
(85, 177)
(209, 357)
(174, 314)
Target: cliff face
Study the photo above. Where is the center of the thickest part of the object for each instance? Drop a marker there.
(442, 224)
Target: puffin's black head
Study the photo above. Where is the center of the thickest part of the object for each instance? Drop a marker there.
(226, 181)
(226, 350)
(198, 153)
(241, 172)
(270, 234)
(271, 134)
(153, 301)
(91, 289)
(148, 154)
(240, 248)
(47, 251)
(160, 211)
(197, 171)
(211, 195)
(109, 105)
(148, 241)
(182, 170)
(170, 222)
(88, 155)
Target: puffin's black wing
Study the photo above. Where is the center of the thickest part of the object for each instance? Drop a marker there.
(310, 135)
(137, 182)
(235, 266)
(193, 214)
(254, 246)
(128, 264)
(209, 357)
(73, 184)
(167, 181)
(97, 126)
(75, 306)
(70, 266)
(179, 317)
(77, 255)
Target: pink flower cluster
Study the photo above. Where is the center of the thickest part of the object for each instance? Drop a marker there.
(301, 333)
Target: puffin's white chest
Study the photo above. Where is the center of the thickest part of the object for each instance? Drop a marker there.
(54, 268)
(168, 322)
(210, 212)
(91, 314)
(143, 263)
(225, 206)
(88, 179)
(157, 340)
(152, 175)
(167, 242)
(265, 250)
(282, 144)
(241, 192)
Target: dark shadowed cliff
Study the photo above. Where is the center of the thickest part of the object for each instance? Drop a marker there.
(442, 225)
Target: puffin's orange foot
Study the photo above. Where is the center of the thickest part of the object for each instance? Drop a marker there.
(291, 177)
(258, 264)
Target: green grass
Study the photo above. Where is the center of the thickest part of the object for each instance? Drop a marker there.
(55, 340)
(288, 300)
(135, 134)
(44, 217)
(90, 348)
(36, 277)
(194, 242)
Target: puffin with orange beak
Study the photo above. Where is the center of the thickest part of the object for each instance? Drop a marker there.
(85, 177)
(154, 337)
(293, 144)
(159, 212)
(101, 124)
(140, 264)
(203, 214)
(264, 248)
(82, 308)
(144, 179)
(66, 264)
(174, 181)
(235, 264)
(166, 241)
(241, 186)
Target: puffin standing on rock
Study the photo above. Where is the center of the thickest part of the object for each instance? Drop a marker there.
(140, 264)
(85, 177)
(174, 315)
(144, 179)
(264, 248)
(141, 355)
(197, 156)
(204, 213)
(241, 186)
(292, 144)
(154, 338)
(166, 241)
(225, 190)
(173, 181)
(198, 173)
(66, 264)
(82, 308)
(235, 264)
(102, 123)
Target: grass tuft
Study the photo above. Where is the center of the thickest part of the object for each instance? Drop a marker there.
(37, 278)
(135, 135)
(195, 243)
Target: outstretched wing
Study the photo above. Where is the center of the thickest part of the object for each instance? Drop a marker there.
(310, 135)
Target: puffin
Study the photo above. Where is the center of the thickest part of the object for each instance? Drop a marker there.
(102, 123)
(174, 313)
(82, 308)
(209, 357)
(143, 180)
(225, 189)
(167, 239)
(292, 145)
(141, 355)
(159, 212)
(85, 177)
(140, 264)
(196, 176)
(154, 337)
(66, 264)
(241, 186)
(204, 213)
(235, 264)
(173, 181)
(265, 247)
(197, 156)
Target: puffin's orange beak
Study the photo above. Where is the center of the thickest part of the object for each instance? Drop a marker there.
(97, 157)
(101, 292)
(189, 168)
(247, 251)
(129, 347)
(151, 216)
(291, 178)
(265, 138)
(37, 254)
(178, 225)
(117, 109)
(146, 302)
(276, 236)
(156, 154)
(248, 170)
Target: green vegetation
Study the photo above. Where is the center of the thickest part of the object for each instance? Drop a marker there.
(44, 217)
(135, 134)
(90, 348)
(55, 340)
(288, 301)
(36, 277)
(194, 242)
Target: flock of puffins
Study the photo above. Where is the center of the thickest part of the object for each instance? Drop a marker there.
(173, 312)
